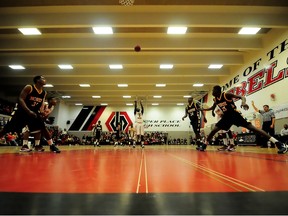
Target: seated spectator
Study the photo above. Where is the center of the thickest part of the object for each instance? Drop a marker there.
(284, 131)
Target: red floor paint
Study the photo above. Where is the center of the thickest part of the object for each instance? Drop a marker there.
(149, 170)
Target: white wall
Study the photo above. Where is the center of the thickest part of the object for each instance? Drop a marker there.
(256, 61)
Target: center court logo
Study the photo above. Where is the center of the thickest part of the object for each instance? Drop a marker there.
(118, 117)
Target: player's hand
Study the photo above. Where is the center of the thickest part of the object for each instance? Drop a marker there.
(252, 102)
(213, 114)
(245, 106)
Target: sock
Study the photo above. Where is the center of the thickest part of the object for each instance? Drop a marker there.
(273, 140)
(37, 142)
(25, 142)
(50, 142)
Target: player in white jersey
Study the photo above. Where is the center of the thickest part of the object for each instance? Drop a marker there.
(139, 123)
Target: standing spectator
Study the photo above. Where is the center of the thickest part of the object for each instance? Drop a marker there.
(268, 124)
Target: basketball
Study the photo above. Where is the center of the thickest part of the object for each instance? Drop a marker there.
(137, 48)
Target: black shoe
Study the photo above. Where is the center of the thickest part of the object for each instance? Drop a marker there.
(53, 148)
(39, 148)
(202, 147)
(282, 147)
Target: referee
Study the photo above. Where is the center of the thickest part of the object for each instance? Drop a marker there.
(268, 124)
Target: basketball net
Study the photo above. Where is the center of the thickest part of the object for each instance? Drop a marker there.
(126, 2)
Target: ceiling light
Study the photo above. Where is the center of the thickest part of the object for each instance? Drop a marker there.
(122, 85)
(177, 30)
(48, 85)
(157, 96)
(187, 96)
(161, 85)
(129, 104)
(247, 30)
(103, 104)
(215, 66)
(166, 66)
(198, 84)
(126, 96)
(17, 67)
(66, 96)
(180, 104)
(96, 96)
(155, 104)
(84, 85)
(65, 67)
(78, 104)
(29, 31)
(116, 66)
(103, 30)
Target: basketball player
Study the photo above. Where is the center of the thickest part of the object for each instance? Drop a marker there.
(139, 122)
(227, 136)
(193, 111)
(131, 135)
(231, 117)
(44, 114)
(97, 130)
(31, 100)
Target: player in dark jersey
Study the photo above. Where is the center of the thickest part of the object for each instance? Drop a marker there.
(231, 117)
(193, 110)
(97, 130)
(27, 115)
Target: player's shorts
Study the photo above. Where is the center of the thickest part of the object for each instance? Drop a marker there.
(232, 118)
(20, 120)
(196, 124)
(139, 129)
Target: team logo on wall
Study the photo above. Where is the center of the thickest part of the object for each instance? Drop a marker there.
(88, 116)
(118, 117)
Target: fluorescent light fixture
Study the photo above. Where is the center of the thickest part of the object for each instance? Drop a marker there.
(65, 67)
(161, 85)
(248, 30)
(166, 66)
(66, 96)
(180, 104)
(157, 96)
(78, 104)
(215, 66)
(198, 84)
(116, 66)
(48, 85)
(96, 96)
(17, 67)
(104, 104)
(126, 96)
(103, 30)
(122, 85)
(84, 85)
(177, 30)
(155, 104)
(129, 104)
(29, 31)
(187, 96)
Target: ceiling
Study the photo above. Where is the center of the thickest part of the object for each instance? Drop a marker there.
(67, 38)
